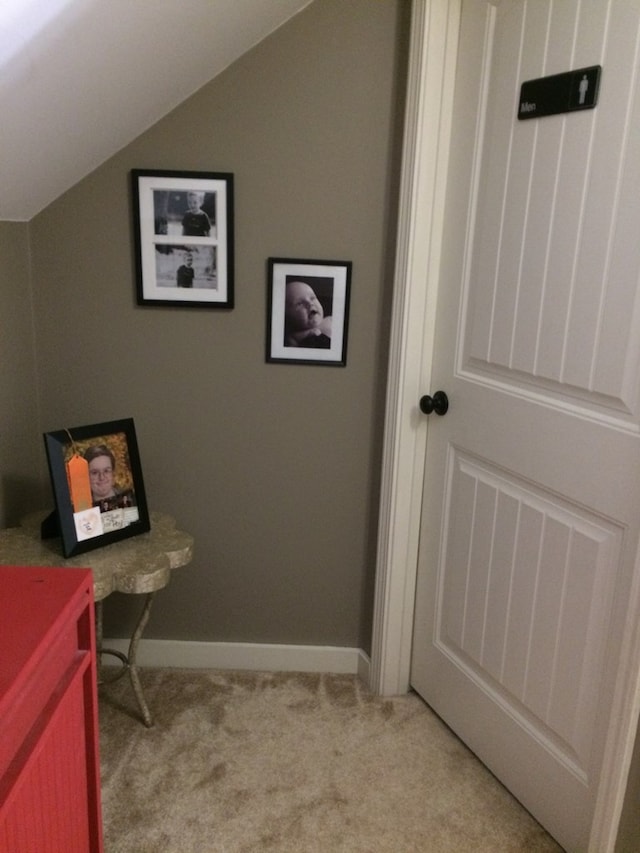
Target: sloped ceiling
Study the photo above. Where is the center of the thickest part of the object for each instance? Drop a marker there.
(80, 79)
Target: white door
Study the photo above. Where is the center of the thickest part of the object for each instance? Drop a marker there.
(531, 503)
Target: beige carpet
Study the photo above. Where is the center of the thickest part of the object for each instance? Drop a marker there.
(242, 762)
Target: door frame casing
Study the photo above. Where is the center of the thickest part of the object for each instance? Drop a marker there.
(430, 89)
(431, 77)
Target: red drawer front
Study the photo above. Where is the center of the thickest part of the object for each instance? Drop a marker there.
(43, 811)
(49, 764)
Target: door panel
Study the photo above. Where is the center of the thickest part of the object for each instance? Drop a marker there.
(556, 257)
(525, 597)
(529, 530)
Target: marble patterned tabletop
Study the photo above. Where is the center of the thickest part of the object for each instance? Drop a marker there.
(137, 565)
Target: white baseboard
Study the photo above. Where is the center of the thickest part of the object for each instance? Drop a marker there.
(248, 656)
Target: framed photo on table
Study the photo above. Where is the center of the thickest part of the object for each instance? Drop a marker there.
(308, 311)
(183, 238)
(96, 477)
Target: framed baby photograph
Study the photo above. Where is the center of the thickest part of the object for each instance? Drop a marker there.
(183, 230)
(97, 484)
(308, 311)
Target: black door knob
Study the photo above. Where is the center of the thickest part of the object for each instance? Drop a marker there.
(439, 403)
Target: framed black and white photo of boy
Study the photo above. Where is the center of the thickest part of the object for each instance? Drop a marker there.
(183, 238)
(308, 311)
(96, 477)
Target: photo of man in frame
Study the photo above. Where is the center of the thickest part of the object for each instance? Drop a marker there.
(110, 484)
(108, 471)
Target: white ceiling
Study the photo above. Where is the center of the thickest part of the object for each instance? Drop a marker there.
(80, 79)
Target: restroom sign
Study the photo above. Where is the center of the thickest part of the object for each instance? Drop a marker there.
(560, 93)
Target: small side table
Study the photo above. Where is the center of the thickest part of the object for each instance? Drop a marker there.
(140, 565)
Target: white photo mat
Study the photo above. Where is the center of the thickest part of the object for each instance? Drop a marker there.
(282, 271)
(161, 250)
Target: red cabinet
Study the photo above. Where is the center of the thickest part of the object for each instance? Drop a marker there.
(49, 765)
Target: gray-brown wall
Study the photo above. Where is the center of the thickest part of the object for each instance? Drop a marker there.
(273, 468)
(20, 439)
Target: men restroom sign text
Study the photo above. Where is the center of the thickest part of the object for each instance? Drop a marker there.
(560, 93)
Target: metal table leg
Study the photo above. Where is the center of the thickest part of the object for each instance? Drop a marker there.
(133, 668)
(129, 660)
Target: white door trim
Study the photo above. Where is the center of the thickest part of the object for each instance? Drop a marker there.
(434, 38)
(434, 34)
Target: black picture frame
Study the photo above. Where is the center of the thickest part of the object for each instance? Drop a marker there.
(318, 292)
(83, 518)
(183, 256)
